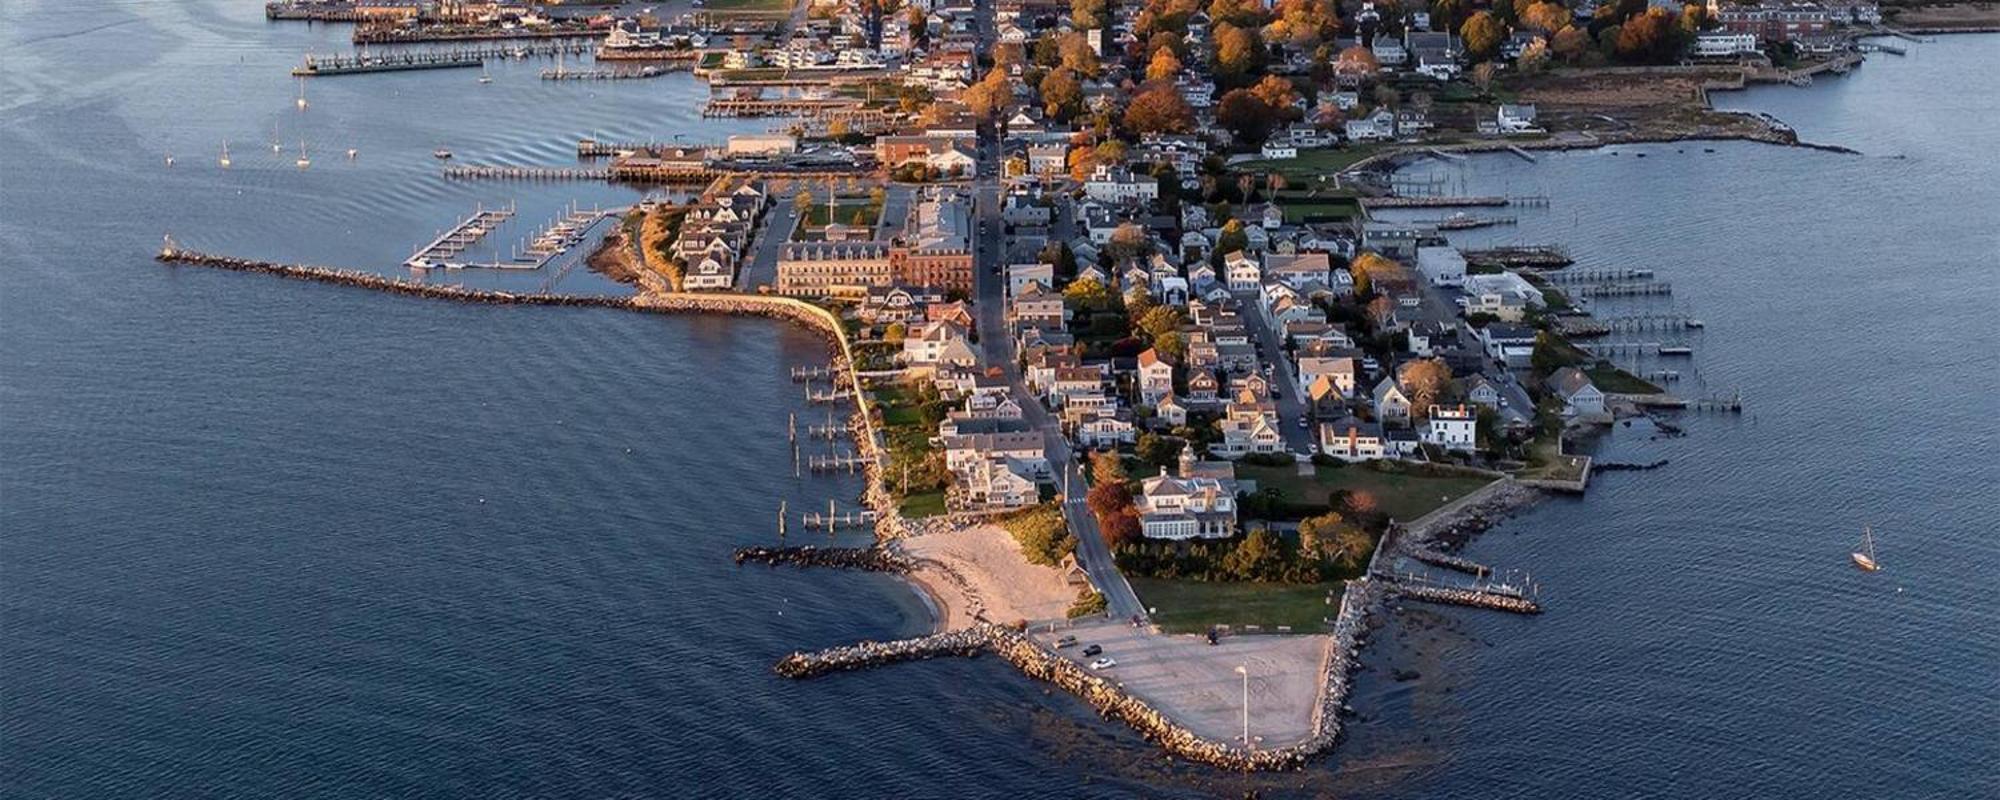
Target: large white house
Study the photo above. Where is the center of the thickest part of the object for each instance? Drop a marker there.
(1579, 396)
(1452, 428)
(1200, 502)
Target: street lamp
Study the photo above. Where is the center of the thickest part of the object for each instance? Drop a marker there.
(1244, 670)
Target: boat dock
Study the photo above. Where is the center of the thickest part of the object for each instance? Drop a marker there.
(1439, 201)
(470, 171)
(737, 107)
(1535, 255)
(362, 63)
(838, 462)
(802, 374)
(1449, 561)
(592, 148)
(1619, 289)
(648, 71)
(830, 522)
(450, 243)
(1597, 275)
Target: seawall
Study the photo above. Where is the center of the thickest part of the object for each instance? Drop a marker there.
(870, 559)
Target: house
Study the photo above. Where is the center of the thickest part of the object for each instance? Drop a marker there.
(1171, 410)
(1340, 370)
(1513, 118)
(1200, 502)
(1390, 239)
(709, 273)
(1038, 307)
(1442, 266)
(1110, 184)
(886, 305)
(1305, 136)
(1156, 377)
(1203, 389)
(1299, 269)
(1508, 343)
(999, 483)
(1075, 382)
(1452, 428)
(1580, 397)
(1019, 276)
(1392, 404)
(1243, 273)
(1048, 159)
(1725, 45)
(939, 343)
(1020, 209)
(1504, 295)
(1248, 434)
(1481, 391)
(1349, 439)
(1323, 398)
(963, 451)
(1376, 127)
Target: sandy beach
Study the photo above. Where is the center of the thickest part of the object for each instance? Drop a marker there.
(977, 573)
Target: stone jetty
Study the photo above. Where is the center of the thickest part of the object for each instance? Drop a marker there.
(870, 559)
(1112, 701)
(1497, 601)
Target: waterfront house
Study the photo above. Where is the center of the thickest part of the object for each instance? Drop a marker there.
(1452, 428)
(998, 484)
(1580, 397)
(1513, 118)
(1503, 294)
(1442, 266)
(895, 303)
(1248, 434)
(939, 343)
(1376, 127)
(961, 452)
(1508, 343)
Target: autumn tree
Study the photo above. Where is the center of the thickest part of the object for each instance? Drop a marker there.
(1547, 17)
(1533, 57)
(1087, 14)
(991, 94)
(1358, 60)
(1570, 44)
(1370, 267)
(1427, 380)
(1247, 116)
(802, 202)
(1316, 533)
(1106, 468)
(1076, 54)
(1160, 320)
(1277, 93)
(1062, 95)
(1159, 109)
(1164, 65)
(1649, 38)
(1087, 294)
(1172, 345)
(1122, 528)
(1238, 52)
(1483, 35)
(1380, 311)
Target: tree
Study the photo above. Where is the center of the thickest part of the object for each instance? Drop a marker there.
(1380, 311)
(895, 333)
(1163, 66)
(1108, 499)
(1483, 35)
(989, 95)
(1316, 533)
(1247, 116)
(1358, 60)
(803, 201)
(1238, 52)
(1482, 75)
(1087, 14)
(1570, 44)
(1159, 109)
(1042, 533)
(1261, 556)
(1533, 57)
(1351, 544)
(1121, 529)
(1277, 93)
(1087, 294)
(1062, 95)
(1159, 451)
(1427, 381)
(1160, 320)
(1231, 238)
(1076, 53)
(1371, 266)
(1129, 240)
(1547, 17)
(1649, 38)
(1106, 468)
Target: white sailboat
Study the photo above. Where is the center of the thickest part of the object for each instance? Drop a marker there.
(303, 162)
(302, 93)
(1865, 557)
(483, 77)
(224, 160)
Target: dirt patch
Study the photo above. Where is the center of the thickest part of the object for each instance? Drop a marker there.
(1944, 18)
(1619, 105)
(614, 259)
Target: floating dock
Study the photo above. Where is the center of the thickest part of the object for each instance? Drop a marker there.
(468, 232)
(470, 171)
(361, 63)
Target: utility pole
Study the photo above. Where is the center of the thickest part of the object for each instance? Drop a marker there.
(1244, 670)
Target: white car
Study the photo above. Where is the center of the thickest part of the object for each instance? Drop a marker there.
(1104, 663)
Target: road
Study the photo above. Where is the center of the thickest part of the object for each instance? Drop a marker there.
(997, 348)
(1292, 402)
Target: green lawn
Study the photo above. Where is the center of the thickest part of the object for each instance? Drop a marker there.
(751, 6)
(1402, 496)
(899, 415)
(1310, 164)
(927, 504)
(1193, 606)
(844, 211)
(1612, 379)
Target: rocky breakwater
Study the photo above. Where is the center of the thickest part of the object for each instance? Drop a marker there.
(967, 642)
(869, 559)
(381, 283)
(1453, 525)
(1109, 699)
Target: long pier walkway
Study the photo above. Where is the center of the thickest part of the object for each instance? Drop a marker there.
(450, 243)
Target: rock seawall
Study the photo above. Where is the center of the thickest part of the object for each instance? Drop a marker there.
(870, 559)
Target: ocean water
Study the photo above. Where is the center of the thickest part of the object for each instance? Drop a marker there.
(265, 538)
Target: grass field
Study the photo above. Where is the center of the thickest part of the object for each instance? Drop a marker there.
(1402, 496)
(845, 211)
(1310, 165)
(1612, 379)
(750, 6)
(1193, 606)
(927, 504)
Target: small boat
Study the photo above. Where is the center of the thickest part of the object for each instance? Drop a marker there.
(351, 153)
(1695, 323)
(224, 160)
(1676, 351)
(303, 162)
(1865, 557)
(302, 94)
(483, 77)
(441, 154)
(170, 161)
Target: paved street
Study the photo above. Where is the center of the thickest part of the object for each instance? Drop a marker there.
(1292, 402)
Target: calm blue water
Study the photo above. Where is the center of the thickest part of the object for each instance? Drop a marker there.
(263, 538)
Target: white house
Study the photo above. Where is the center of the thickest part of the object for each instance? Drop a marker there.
(1243, 272)
(940, 342)
(1442, 266)
(1350, 439)
(1156, 377)
(1200, 502)
(1724, 45)
(1579, 396)
(1452, 428)
(1110, 184)
(1514, 118)
(1277, 149)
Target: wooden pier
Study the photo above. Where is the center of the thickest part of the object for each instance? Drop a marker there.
(838, 462)
(803, 374)
(830, 522)
(464, 234)
(737, 107)
(1439, 201)
(395, 34)
(648, 71)
(592, 148)
(362, 63)
(1574, 275)
(476, 172)
(1619, 289)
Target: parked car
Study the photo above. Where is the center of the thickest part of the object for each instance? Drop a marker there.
(1092, 650)
(1104, 663)
(1066, 641)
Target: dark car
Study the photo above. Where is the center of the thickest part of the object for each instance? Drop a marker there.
(1092, 650)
